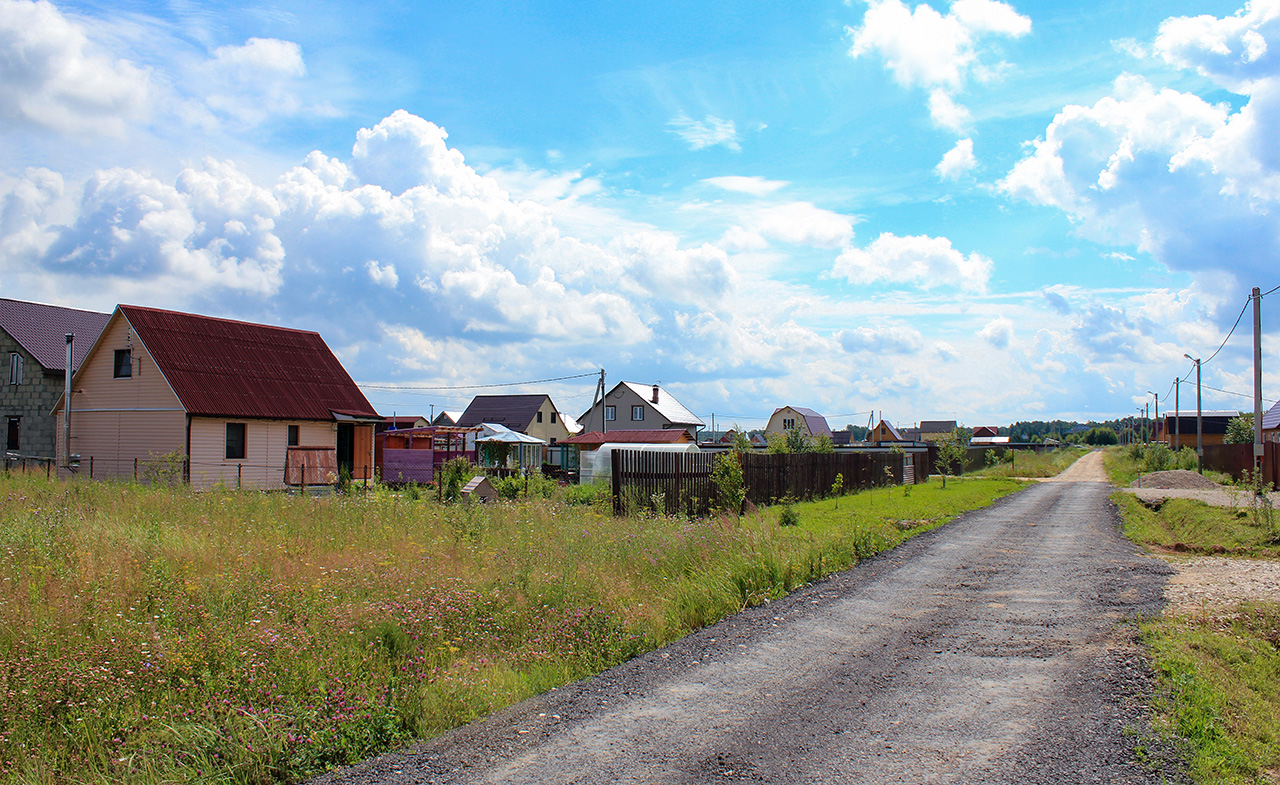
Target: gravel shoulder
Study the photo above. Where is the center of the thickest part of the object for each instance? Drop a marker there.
(993, 649)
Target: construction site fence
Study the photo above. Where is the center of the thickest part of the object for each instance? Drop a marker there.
(681, 483)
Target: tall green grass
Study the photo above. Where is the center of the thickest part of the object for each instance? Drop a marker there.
(156, 635)
(1017, 463)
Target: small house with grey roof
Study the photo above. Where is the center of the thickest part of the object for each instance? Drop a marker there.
(33, 342)
(789, 418)
(532, 415)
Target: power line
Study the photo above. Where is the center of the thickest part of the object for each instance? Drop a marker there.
(409, 388)
(1229, 334)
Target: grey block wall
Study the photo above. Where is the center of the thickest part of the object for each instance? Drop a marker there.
(32, 400)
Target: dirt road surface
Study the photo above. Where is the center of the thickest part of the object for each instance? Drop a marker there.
(989, 650)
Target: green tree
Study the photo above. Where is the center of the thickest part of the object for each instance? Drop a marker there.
(1240, 429)
(822, 443)
(798, 440)
(952, 451)
(1101, 436)
(741, 441)
(727, 477)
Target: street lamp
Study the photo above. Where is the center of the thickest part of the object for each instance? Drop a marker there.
(1199, 425)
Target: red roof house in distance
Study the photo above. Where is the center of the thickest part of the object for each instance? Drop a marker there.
(248, 405)
(594, 440)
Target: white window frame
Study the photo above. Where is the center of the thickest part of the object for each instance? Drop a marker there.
(15, 368)
(638, 409)
(610, 413)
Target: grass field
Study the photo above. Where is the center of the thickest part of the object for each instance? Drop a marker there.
(1033, 464)
(154, 635)
(1218, 670)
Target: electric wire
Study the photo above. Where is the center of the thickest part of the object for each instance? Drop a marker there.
(410, 388)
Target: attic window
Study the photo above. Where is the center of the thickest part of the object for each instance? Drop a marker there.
(293, 436)
(553, 418)
(15, 368)
(610, 413)
(637, 413)
(539, 416)
(788, 423)
(124, 364)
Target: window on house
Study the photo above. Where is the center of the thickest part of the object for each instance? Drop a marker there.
(124, 363)
(293, 436)
(553, 418)
(15, 368)
(637, 413)
(610, 413)
(539, 416)
(12, 442)
(788, 423)
(235, 441)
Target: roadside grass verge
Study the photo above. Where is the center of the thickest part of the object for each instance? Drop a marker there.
(1218, 681)
(1191, 526)
(1218, 671)
(1126, 464)
(1032, 464)
(155, 635)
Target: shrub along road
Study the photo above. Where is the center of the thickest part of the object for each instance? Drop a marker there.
(989, 650)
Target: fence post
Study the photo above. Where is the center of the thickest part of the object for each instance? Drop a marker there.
(90, 467)
(47, 466)
(616, 470)
(239, 468)
(135, 469)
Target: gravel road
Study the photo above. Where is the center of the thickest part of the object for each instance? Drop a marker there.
(989, 650)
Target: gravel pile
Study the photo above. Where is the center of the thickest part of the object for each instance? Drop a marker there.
(1179, 479)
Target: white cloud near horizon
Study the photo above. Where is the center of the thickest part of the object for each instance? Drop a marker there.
(940, 53)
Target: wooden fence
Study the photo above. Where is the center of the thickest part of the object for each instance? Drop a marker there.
(1234, 459)
(673, 482)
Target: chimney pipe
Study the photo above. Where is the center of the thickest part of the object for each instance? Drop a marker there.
(66, 404)
(655, 393)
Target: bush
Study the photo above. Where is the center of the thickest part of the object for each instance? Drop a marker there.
(727, 478)
(455, 473)
(789, 516)
(597, 492)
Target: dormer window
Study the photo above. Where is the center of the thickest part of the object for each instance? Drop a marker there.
(124, 363)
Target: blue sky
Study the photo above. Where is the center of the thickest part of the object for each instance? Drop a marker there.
(982, 210)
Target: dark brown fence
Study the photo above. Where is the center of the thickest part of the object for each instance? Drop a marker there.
(1235, 459)
(681, 482)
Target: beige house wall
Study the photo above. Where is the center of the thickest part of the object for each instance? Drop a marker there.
(116, 444)
(546, 430)
(786, 413)
(115, 421)
(266, 446)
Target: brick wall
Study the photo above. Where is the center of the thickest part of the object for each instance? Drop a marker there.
(32, 400)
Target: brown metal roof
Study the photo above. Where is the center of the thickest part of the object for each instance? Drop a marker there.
(221, 368)
(41, 330)
(514, 411)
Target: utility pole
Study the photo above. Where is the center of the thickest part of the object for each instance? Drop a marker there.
(1199, 419)
(1177, 415)
(1257, 380)
(1157, 420)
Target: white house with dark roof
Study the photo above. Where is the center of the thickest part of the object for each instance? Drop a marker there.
(34, 345)
(630, 406)
(533, 415)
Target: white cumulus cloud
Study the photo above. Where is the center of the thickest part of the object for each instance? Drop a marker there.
(940, 53)
(958, 161)
(924, 261)
(52, 75)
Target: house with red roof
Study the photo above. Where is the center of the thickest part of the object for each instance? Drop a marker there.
(33, 341)
(232, 403)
